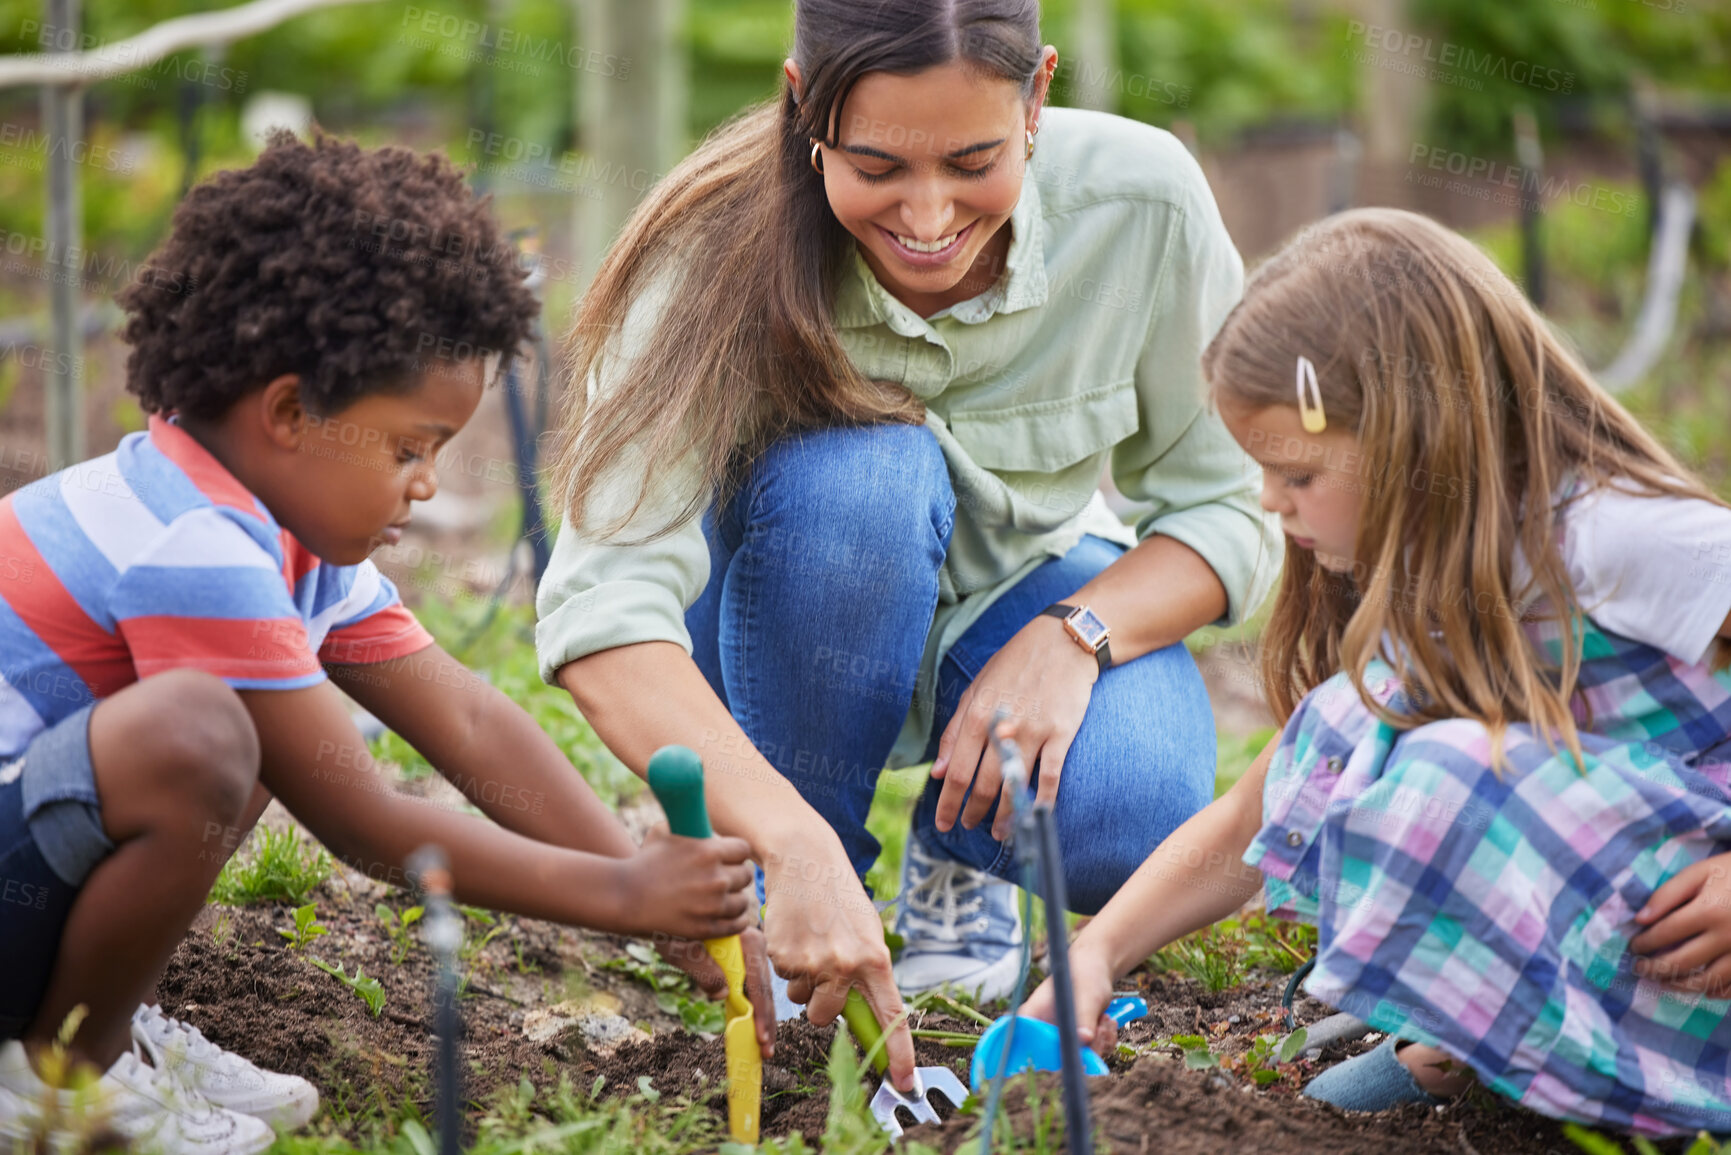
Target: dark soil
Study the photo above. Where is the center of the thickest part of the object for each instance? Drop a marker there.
(243, 985)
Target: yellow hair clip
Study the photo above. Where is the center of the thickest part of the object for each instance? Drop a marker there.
(1310, 408)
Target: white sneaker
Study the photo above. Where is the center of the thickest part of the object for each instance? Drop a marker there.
(960, 928)
(286, 1102)
(145, 1104)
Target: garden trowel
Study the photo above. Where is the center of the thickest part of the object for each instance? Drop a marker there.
(888, 1100)
(676, 776)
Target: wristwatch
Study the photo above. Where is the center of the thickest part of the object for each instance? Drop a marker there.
(1084, 625)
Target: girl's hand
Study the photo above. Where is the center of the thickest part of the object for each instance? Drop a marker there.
(1688, 935)
(1044, 680)
(1091, 981)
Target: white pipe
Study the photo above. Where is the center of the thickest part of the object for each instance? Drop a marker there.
(156, 42)
(1665, 267)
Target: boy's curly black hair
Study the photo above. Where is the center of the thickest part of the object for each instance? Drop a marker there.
(354, 268)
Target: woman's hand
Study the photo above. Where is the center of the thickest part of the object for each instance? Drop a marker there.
(1091, 982)
(1688, 934)
(826, 937)
(692, 957)
(1043, 680)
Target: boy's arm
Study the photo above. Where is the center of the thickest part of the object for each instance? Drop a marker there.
(488, 747)
(313, 759)
(1195, 878)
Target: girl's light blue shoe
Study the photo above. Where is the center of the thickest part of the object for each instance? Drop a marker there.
(1373, 1081)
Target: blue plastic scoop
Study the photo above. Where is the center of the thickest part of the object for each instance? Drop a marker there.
(1035, 1044)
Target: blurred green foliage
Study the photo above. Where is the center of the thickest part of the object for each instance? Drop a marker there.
(441, 71)
(502, 649)
(1604, 47)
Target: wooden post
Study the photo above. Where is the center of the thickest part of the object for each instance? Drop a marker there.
(1096, 55)
(63, 121)
(632, 105)
(1391, 106)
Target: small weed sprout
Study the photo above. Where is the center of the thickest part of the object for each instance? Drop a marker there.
(369, 989)
(397, 928)
(307, 927)
(470, 952)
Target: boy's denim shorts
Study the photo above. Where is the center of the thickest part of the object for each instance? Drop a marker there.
(51, 838)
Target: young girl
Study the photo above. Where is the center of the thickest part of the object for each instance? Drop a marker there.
(1498, 653)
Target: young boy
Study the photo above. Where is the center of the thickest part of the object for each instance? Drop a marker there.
(314, 330)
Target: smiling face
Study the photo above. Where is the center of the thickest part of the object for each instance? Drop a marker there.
(926, 172)
(1315, 482)
(344, 484)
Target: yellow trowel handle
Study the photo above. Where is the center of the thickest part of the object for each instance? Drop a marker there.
(676, 777)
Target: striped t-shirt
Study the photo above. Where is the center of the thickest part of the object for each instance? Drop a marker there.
(154, 557)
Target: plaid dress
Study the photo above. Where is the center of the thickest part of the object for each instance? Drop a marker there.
(1490, 917)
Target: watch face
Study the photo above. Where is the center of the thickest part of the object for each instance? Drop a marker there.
(1089, 627)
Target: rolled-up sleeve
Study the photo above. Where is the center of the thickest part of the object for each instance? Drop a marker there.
(598, 594)
(1202, 486)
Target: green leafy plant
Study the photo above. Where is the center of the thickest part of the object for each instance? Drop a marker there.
(674, 993)
(1275, 944)
(275, 866)
(369, 989)
(397, 928)
(1213, 957)
(1197, 1055)
(307, 927)
(1262, 1061)
(504, 651)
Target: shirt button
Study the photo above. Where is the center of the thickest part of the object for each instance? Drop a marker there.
(1334, 765)
(1294, 838)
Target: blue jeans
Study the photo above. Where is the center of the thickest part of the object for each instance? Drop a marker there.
(822, 586)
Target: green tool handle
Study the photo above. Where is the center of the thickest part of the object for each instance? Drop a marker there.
(864, 1025)
(676, 777)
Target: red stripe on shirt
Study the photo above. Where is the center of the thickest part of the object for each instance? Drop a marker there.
(260, 649)
(297, 560)
(393, 632)
(96, 657)
(210, 475)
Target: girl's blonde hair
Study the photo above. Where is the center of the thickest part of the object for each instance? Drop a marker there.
(1470, 415)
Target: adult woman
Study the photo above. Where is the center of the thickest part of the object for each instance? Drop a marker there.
(852, 381)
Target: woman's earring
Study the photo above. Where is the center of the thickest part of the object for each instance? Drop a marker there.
(816, 156)
(1030, 142)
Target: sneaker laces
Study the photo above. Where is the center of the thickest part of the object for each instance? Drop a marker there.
(182, 1050)
(154, 1082)
(198, 1048)
(942, 894)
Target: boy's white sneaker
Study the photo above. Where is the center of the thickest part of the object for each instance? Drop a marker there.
(286, 1102)
(145, 1104)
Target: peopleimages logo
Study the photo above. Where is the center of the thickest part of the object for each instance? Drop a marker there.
(1453, 62)
(1486, 179)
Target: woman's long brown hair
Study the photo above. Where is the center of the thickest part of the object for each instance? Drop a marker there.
(745, 348)
(1470, 415)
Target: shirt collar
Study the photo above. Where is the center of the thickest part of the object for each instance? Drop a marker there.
(862, 301)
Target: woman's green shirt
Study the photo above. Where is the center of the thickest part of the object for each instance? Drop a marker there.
(1085, 355)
